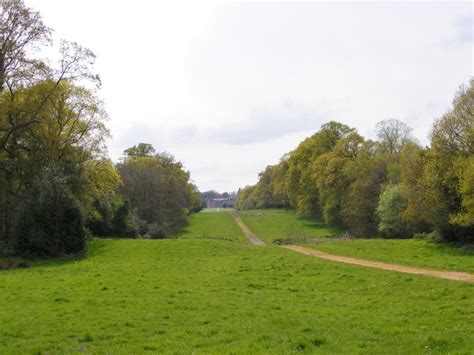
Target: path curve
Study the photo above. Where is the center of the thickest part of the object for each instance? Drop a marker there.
(248, 233)
(449, 275)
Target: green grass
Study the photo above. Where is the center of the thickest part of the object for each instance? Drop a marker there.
(218, 225)
(271, 225)
(205, 210)
(402, 251)
(217, 296)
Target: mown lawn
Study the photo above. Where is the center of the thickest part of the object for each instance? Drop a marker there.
(219, 296)
(402, 251)
(213, 225)
(271, 225)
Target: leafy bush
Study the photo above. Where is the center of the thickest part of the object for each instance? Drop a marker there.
(115, 219)
(123, 223)
(49, 222)
(434, 237)
(390, 208)
(159, 231)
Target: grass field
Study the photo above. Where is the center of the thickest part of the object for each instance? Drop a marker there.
(218, 225)
(270, 225)
(199, 295)
(227, 209)
(402, 251)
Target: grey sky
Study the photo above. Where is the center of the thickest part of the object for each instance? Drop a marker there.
(228, 88)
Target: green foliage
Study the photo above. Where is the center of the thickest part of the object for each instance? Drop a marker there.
(49, 222)
(444, 189)
(270, 190)
(197, 204)
(332, 179)
(465, 174)
(302, 190)
(337, 176)
(390, 209)
(122, 224)
(159, 193)
(140, 150)
(246, 198)
(114, 218)
(47, 118)
(367, 175)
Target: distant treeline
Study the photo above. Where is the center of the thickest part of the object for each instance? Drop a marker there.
(57, 185)
(391, 187)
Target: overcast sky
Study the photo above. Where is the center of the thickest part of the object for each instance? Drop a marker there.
(228, 88)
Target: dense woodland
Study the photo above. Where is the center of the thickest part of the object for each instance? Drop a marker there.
(57, 185)
(390, 187)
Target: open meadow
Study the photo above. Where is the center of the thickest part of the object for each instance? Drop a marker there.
(199, 294)
(403, 251)
(278, 224)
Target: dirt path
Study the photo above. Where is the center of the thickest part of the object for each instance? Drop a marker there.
(449, 275)
(248, 233)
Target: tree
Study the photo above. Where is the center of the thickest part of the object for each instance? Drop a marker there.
(45, 118)
(465, 172)
(22, 31)
(197, 203)
(140, 150)
(302, 190)
(263, 190)
(390, 209)
(49, 222)
(68, 131)
(367, 173)
(392, 135)
(245, 200)
(443, 192)
(330, 178)
(159, 192)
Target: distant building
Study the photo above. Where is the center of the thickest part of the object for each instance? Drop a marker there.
(221, 202)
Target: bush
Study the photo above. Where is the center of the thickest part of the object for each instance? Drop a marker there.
(390, 208)
(434, 237)
(123, 223)
(49, 222)
(159, 231)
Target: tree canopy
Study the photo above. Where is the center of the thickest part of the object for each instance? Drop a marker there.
(390, 187)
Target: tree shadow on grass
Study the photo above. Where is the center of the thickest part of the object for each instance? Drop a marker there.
(93, 248)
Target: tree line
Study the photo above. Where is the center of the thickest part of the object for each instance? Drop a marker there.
(390, 187)
(57, 185)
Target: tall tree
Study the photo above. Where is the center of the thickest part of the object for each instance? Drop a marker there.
(140, 150)
(46, 119)
(159, 192)
(392, 135)
(22, 31)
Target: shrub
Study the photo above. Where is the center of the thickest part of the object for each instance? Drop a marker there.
(123, 223)
(390, 208)
(49, 222)
(434, 237)
(159, 231)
